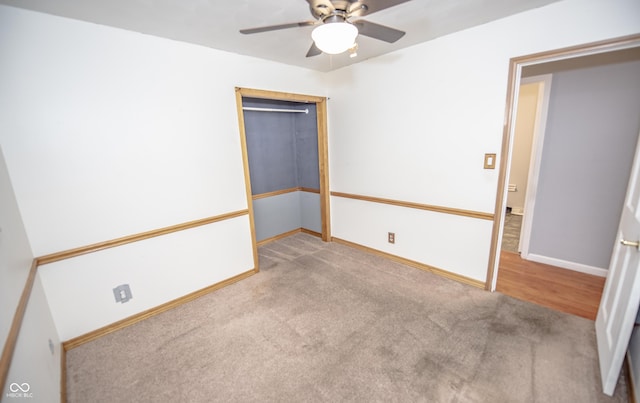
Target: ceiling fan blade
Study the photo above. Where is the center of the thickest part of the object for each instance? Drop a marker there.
(276, 27)
(360, 8)
(378, 31)
(314, 50)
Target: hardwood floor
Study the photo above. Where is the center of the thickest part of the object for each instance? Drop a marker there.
(560, 289)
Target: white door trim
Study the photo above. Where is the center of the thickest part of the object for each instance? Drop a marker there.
(540, 125)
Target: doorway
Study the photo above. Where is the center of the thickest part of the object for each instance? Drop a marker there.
(528, 136)
(516, 69)
(284, 147)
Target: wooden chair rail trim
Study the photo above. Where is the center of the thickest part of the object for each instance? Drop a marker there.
(428, 207)
(274, 193)
(85, 338)
(54, 257)
(14, 330)
(413, 263)
(283, 191)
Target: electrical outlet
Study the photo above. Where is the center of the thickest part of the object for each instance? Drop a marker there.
(122, 293)
(392, 237)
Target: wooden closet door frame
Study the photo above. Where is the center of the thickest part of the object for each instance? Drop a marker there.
(323, 154)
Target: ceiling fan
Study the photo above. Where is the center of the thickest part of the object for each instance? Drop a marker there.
(335, 30)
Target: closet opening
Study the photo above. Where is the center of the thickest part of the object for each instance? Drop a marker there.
(284, 147)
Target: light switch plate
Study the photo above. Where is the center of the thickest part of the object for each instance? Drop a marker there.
(489, 161)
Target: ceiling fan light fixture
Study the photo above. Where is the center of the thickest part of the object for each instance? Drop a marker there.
(334, 37)
(353, 51)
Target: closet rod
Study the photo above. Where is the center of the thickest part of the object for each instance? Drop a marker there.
(250, 108)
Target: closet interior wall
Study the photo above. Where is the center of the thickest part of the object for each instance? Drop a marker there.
(282, 148)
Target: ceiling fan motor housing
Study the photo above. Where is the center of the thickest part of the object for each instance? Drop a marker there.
(323, 9)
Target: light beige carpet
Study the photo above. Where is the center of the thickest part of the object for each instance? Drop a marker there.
(324, 322)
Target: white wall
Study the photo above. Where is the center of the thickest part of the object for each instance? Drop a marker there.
(36, 359)
(420, 133)
(15, 252)
(37, 328)
(80, 290)
(415, 238)
(109, 133)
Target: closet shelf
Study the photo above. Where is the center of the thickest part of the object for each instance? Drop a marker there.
(250, 108)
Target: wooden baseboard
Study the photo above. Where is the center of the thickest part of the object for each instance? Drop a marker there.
(279, 236)
(308, 231)
(565, 264)
(63, 374)
(288, 233)
(121, 324)
(413, 263)
(628, 373)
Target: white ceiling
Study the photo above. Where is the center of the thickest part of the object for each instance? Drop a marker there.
(215, 23)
